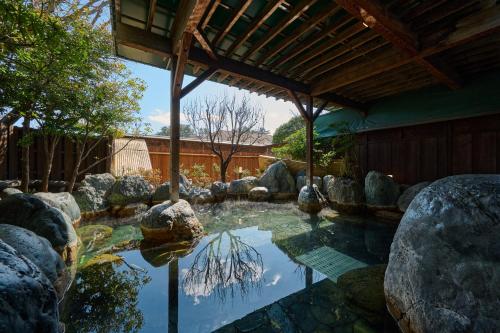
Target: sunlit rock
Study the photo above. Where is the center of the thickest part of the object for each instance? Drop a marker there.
(243, 185)
(259, 193)
(170, 222)
(302, 180)
(277, 179)
(381, 191)
(130, 189)
(311, 200)
(410, 193)
(346, 194)
(91, 195)
(443, 272)
(63, 201)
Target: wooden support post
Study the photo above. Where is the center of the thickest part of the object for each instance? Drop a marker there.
(310, 141)
(175, 104)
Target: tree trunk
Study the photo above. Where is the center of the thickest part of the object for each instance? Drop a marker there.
(223, 169)
(49, 146)
(76, 167)
(25, 157)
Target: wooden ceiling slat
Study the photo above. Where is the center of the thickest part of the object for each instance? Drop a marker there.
(231, 21)
(151, 14)
(308, 25)
(298, 10)
(271, 7)
(307, 44)
(209, 13)
(373, 14)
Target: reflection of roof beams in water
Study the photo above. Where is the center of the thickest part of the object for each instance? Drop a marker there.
(330, 262)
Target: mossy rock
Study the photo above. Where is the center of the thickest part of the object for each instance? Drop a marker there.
(102, 259)
(94, 232)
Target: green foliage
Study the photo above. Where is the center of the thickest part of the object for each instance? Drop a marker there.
(199, 175)
(185, 131)
(287, 129)
(344, 142)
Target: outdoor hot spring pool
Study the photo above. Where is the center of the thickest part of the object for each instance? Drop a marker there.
(261, 268)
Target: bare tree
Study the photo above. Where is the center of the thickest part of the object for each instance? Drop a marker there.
(225, 123)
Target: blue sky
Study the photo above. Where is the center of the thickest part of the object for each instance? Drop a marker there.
(155, 104)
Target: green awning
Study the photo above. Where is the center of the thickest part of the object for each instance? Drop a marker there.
(480, 97)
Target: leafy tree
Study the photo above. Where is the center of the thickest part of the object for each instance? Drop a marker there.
(295, 146)
(287, 129)
(225, 124)
(185, 131)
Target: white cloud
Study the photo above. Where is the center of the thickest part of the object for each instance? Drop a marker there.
(162, 117)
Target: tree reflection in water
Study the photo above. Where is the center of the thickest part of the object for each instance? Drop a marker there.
(104, 298)
(225, 265)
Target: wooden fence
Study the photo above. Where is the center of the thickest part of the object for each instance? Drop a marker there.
(64, 157)
(196, 152)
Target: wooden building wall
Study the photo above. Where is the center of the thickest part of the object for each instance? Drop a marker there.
(432, 151)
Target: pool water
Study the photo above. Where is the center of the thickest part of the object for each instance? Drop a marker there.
(253, 272)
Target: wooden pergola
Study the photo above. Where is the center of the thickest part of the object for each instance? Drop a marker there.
(315, 53)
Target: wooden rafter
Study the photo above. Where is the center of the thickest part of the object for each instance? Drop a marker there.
(372, 14)
(313, 40)
(257, 22)
(205, 44)
(295, 13)
(151, 14)
(467, 30)
(231, 21)
(308, 25)
(187, 18)
(209, 13)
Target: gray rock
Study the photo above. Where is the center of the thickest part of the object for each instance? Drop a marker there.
(443, 272)
(63, 201)
(243, 185)
(200, 196)
(28, 301)
(410, 193)
(381, 191)
(35, 248)
(171, 222)
(162, 192)
(277, 179)
(347, 194)
(8, 191)
(301, 182)
(219, 191)
(259, 193)
(130, 189)
(326, 180)
(311, 200)
(29, 212)
(92, 193)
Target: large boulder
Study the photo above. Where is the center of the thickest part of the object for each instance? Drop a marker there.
(64, 201)
(29, 212)
(277, 179)
(219, 191)
(326, 180)
(346, 194)
(171, 222)
(443, 272)
(35, 248)
(91, 195)
(301, 182)
(410, 193)
(200, 196)
(381, 191)
(311, 200)
(243, 185)
(129, 190)
(259, 193)
(8, 191)
(162, 192)
(28, 301)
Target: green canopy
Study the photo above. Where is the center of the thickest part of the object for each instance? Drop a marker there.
(480, 97)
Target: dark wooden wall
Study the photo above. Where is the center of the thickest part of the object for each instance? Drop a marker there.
(432, 151)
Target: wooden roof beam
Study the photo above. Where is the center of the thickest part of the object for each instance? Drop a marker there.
(467, 30)
(271, 7)
(187, 18)
(373, 15)
(308, 25)
(209, 13)
(151, 14)
(231, 21)
(295, 13)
